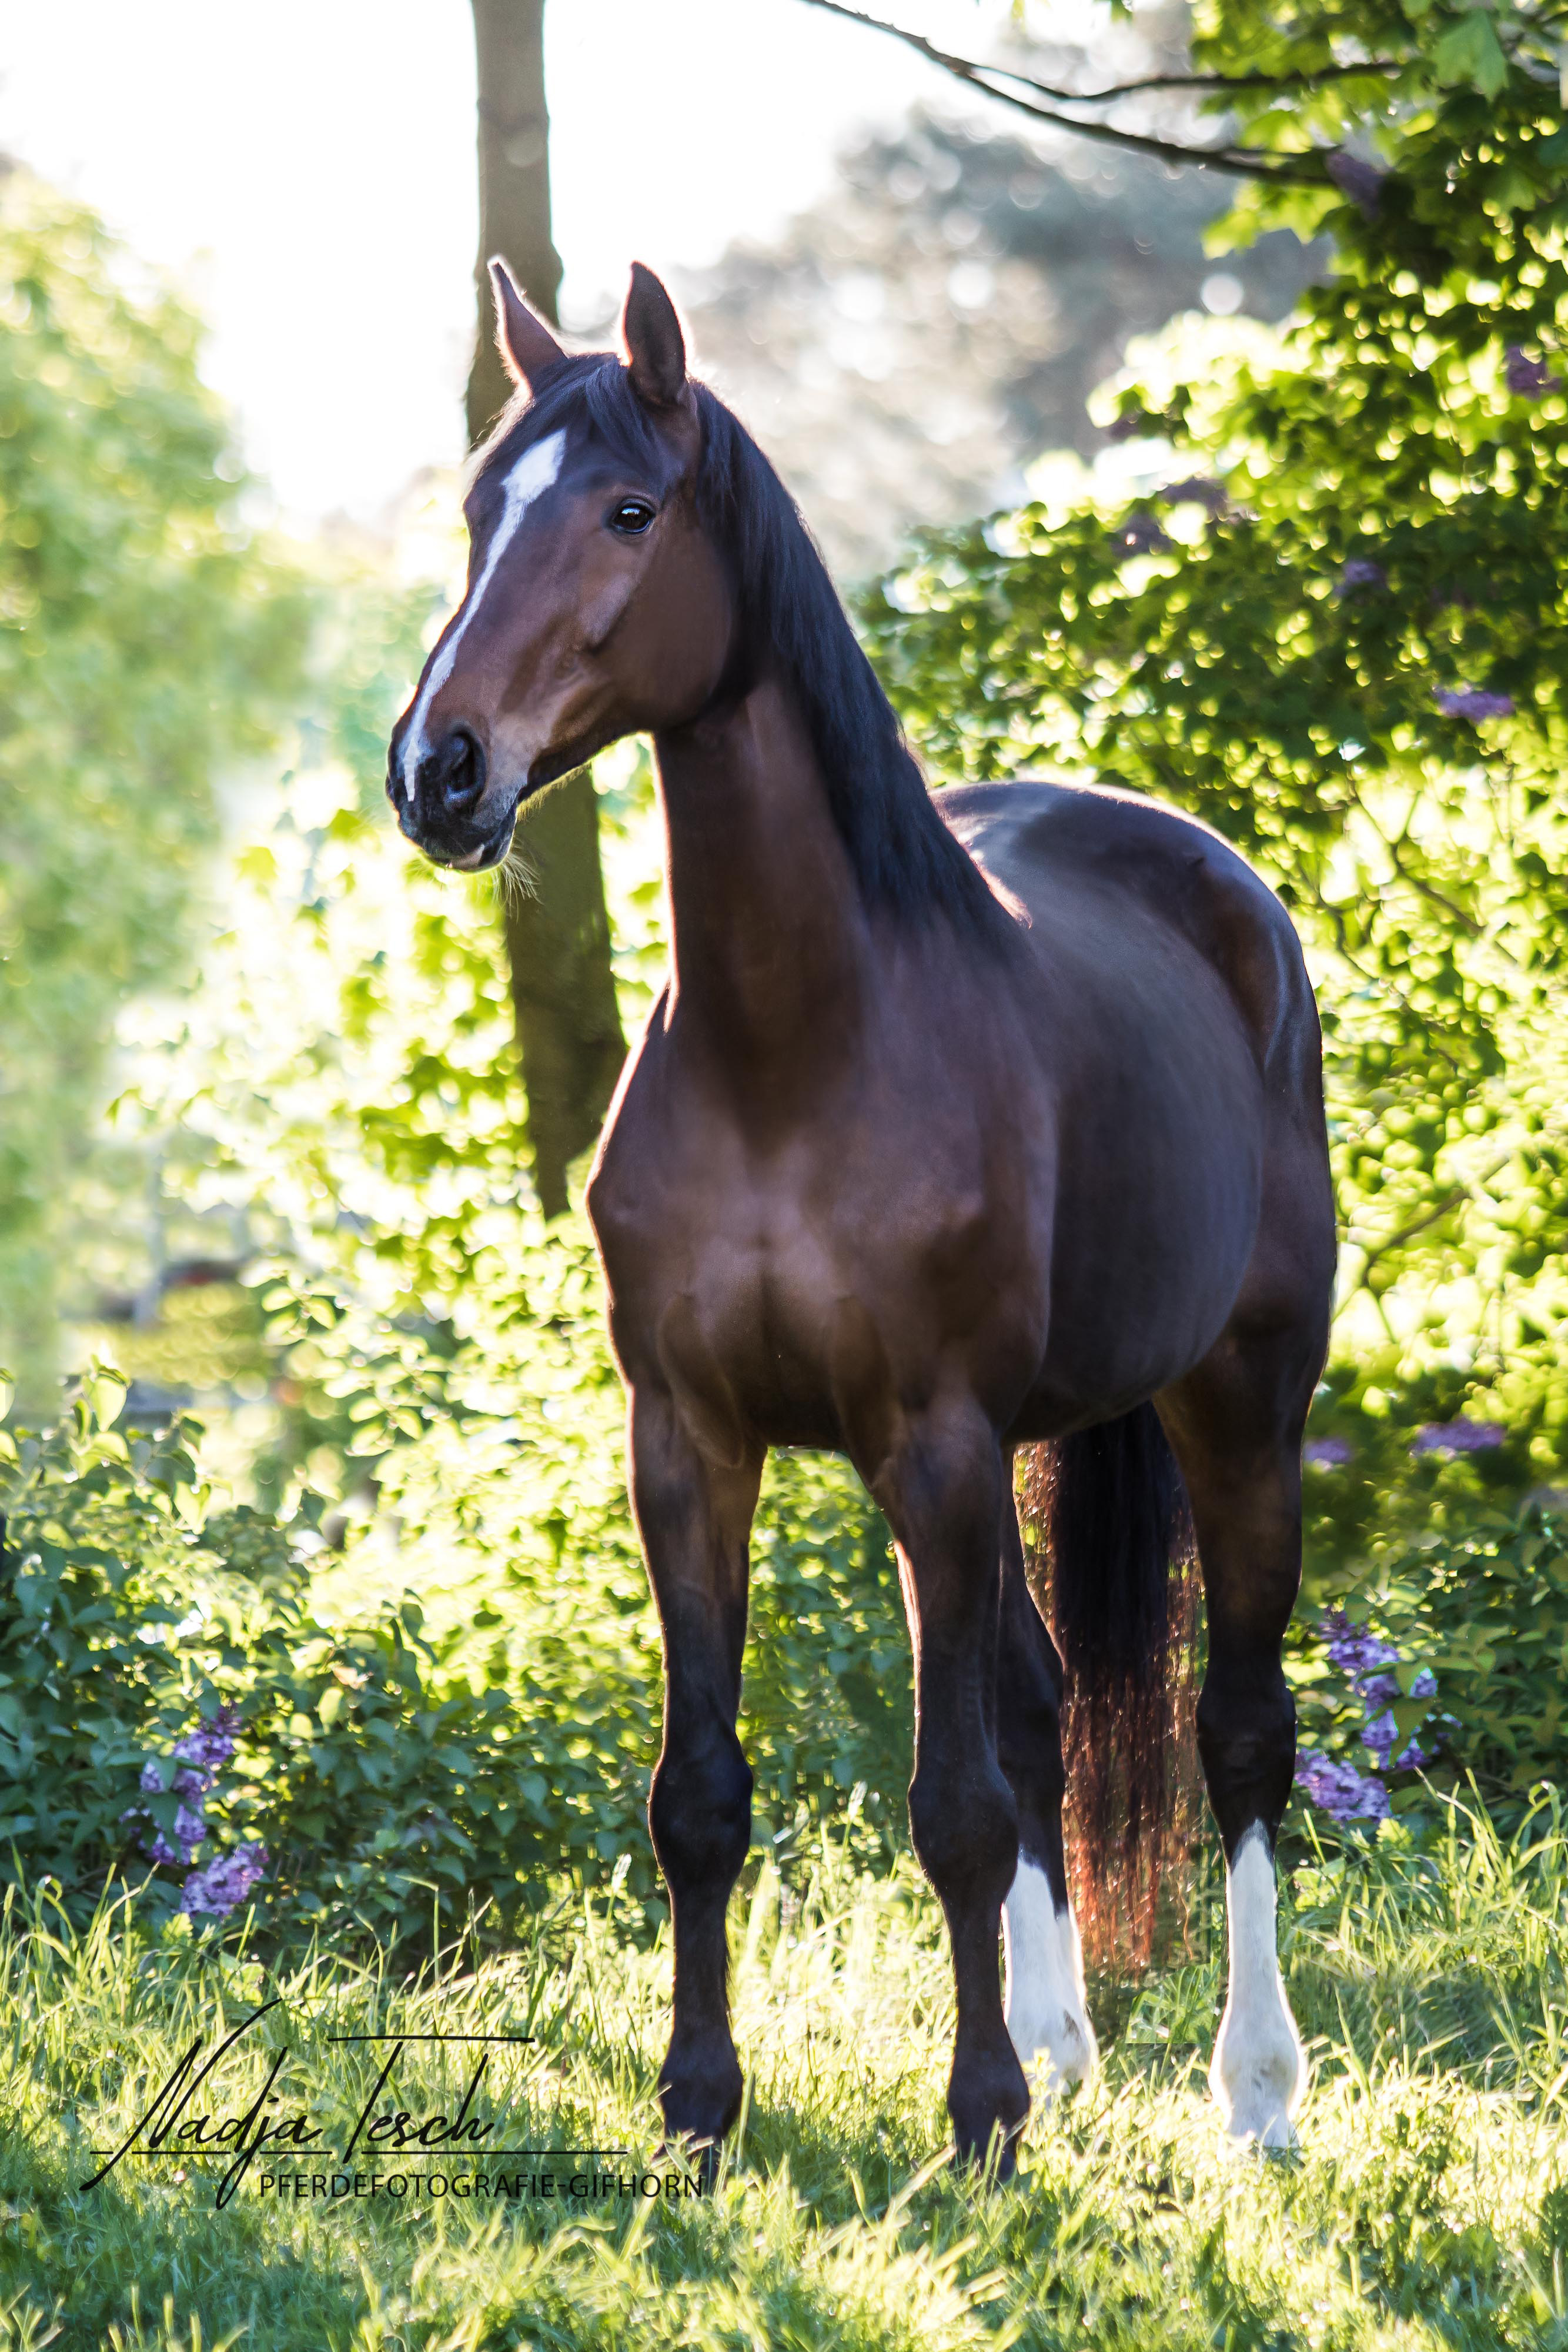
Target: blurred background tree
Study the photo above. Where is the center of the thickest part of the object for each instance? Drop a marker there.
(148, 641)
(908, 344)
(556, 929)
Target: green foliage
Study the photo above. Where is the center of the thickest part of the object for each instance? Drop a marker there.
(843, 342)
(377, 1783)
(1425, 2206)
(399, 1768)
(144, 640)
(1317, 538)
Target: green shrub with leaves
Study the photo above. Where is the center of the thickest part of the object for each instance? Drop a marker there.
(1474, 1620)
(397, 1769)
(127, 1613)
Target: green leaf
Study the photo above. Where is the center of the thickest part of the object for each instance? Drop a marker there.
(1470, 52)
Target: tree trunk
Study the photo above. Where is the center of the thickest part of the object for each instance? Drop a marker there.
(557, 933)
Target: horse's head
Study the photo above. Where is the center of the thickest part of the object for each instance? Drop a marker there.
(595, 606)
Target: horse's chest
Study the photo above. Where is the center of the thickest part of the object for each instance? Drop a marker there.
(753, 1284)
(793, 1299)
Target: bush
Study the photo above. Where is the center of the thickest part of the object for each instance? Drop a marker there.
(378, 1781)
(397, 1769)
(1479, 1611)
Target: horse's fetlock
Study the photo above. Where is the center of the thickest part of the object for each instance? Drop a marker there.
(969, 1850)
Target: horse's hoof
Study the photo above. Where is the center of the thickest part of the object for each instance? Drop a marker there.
(996, 2162)
(989, 2114)
(700, 2160)
(1275, 2137)
(701, 2103)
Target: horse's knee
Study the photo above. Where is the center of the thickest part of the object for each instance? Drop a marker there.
(966, 1833)
(699, 1811)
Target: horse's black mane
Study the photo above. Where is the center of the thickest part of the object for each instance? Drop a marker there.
(903, 857)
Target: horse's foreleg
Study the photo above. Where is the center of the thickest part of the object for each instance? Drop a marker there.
(1236, 1424)
(1046, 2015)
(944, 1491)
(695, 1519)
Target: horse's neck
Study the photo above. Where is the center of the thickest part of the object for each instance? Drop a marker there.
(770, 947)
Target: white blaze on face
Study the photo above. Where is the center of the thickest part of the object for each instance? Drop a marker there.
(532, 474)
(1046, 2013)
(1260, 2069)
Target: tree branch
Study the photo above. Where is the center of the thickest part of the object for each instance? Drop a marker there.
(1307, 169)
(1378, 981)
(1308, 79)
(1373, 1253)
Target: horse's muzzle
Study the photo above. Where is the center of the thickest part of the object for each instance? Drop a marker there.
(440, 803)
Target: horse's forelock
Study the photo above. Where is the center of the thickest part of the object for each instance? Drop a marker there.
(590, 389)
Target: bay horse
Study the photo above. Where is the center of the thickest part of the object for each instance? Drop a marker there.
(964, 1121)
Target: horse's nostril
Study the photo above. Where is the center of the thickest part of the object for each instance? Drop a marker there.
(457, 773)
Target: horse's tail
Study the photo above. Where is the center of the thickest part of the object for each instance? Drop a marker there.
(1112, 1532)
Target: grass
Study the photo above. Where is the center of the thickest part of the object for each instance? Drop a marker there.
(1428, 2204)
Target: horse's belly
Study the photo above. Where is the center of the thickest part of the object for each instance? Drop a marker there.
(1152, 1244)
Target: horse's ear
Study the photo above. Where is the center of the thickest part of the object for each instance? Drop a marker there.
(524, 340)
(655, 348)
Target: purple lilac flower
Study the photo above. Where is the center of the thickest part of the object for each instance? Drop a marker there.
(1356, 1651)
(226, 1882)
(1141, 535)
(1361, 571)
(202, 1753)
(1199, 489)
(1360, 181)
(1365, 1658)
(1526, 375)
(189, 1829)
(1459, 1437)
(190, 1825)
(1327, 1453)
(1473, 702)
(1340, 1791)
(212, 1743)
(1381, 1731)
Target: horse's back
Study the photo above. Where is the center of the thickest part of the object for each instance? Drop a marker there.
(1101, 873)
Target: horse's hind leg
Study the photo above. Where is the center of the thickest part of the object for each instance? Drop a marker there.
(1046, 2015)
(695, 1519)
(1235, 1425)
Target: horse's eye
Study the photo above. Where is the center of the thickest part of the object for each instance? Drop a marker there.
(629, 517)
